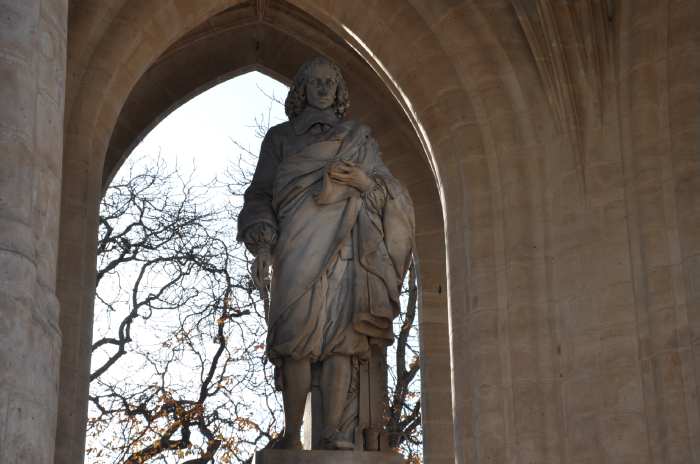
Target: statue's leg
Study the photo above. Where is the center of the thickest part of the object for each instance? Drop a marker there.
(336, 373)
(297, 384)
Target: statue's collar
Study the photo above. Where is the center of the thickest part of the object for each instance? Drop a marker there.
(310, 116)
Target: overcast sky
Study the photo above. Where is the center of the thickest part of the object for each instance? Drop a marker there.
(198, 136)
(201, 130)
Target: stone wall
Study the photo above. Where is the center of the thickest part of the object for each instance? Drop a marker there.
(560, 141)
(658, 65)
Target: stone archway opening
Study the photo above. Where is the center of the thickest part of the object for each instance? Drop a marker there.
(204, 137)
(232, 42)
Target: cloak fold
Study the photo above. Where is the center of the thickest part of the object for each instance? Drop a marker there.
(324, 298)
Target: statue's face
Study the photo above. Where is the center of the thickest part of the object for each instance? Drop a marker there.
(321, 87)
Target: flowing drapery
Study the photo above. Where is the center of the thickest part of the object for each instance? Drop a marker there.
(340, 255)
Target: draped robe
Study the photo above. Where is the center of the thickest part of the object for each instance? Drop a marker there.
(339, 256)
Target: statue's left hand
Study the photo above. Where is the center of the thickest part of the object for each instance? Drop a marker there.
(261, 269)
(347, 173)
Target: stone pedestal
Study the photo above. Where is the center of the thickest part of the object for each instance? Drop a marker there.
(272, 456)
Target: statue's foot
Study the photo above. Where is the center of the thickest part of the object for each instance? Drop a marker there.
(337, 441)
(290, 443)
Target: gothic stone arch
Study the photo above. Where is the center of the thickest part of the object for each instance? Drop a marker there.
(275, 40)
(561, 143)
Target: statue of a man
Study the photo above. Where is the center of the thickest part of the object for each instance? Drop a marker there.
(337, 229)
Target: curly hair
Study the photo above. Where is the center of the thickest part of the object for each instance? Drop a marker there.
(295, 102)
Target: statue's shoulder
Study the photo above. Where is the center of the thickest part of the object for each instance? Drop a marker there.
(354, 129)
(279, 130)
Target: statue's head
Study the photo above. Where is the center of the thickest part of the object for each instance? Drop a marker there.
(320, 84)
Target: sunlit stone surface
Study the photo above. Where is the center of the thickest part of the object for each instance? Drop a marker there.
(551, 149)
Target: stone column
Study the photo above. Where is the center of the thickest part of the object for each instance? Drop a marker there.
(33, 36)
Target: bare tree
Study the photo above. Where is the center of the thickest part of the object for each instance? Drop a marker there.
(404, 413)
(178, 329)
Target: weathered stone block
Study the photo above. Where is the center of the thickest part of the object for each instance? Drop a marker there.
(325, 457)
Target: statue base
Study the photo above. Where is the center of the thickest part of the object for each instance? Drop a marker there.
(274, 456)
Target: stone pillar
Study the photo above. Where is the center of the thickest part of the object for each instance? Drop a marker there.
(33, 36)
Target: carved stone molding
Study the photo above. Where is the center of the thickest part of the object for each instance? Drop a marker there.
(261, 8)
(571, 44)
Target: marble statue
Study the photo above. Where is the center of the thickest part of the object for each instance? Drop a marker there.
(337, 229)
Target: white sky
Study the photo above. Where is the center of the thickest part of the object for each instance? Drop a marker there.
(201, 130)
(198, 136)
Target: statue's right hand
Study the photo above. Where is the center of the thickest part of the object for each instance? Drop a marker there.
(348, 173)
(261, 269)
